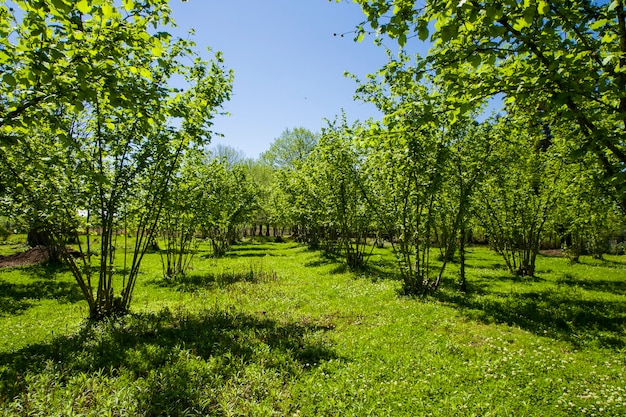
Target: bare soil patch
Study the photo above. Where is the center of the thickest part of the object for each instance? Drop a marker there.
(34, 256)
(552, 252)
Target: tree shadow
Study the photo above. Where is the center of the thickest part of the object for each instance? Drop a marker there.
(167, 348)
(374, 269)
(47, 270)
(195, 282)
(377, 271)
(325, 258)
(246, 254)
(12, 300)
(562, 315)
(252, 247)
(244, 251)
(616, 287)
(250, 250)
(607, 263)
(15, 298)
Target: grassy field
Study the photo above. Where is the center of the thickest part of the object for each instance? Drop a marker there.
(277, 329)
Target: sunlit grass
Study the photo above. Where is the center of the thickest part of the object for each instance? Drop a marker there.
(278, 329)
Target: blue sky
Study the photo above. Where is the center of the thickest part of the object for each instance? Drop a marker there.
(288, 64)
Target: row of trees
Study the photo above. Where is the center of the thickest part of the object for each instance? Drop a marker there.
(426, 188)
(426, 184)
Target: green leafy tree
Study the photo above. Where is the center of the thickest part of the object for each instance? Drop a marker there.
(464, 173)
(587, 216)
(229, 201)
(35, 173)
(336, 169)
(423, 167)
(268, 212)
(406, 174)
(406, 157)
(291, 148)
(180, 221)
(280, 209)
(520, 192)
(291, 191)
(90, 80)
(300, 204)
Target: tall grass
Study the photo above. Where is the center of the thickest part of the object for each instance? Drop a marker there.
(277, 329)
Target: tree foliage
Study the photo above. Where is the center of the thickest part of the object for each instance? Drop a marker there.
(554, 60)
(89, 81)
(229, 201)
(291, 148)
(520, 192)
(338, 178)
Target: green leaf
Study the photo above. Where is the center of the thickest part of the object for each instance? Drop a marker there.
(521, 24)
(402, 39)
(608, 38)
(475, 59)
(145, 72)
(108, 12)
(598, 24)
(9, 79)
(157, 51)
(83, 6)
(422, 32)
(529, 16)
(128, 4)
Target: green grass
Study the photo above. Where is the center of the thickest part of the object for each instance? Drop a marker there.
(12, 244)
(277, 329)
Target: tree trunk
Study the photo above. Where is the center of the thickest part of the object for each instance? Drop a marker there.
(42, 237)
(462, 280)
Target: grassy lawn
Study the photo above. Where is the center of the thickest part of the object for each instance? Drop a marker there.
(277, 329)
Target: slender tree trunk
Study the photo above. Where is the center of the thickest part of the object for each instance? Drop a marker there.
(462, 279)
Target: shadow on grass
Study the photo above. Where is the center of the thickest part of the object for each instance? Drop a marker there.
(325, 258)
(563, 315)
(374, 269)
(18, 297)
(244, 251)
(256, 250)
(608, 263)
(174, 352)
(610, 286)
(249, 247)
(247, 254)
(195, 282)
(376, 272)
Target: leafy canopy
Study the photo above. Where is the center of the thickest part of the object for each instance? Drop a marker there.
(554, 60)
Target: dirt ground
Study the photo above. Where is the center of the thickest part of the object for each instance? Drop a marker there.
(33, 256)
(552, 252)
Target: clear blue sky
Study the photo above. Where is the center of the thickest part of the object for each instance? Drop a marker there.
(288, 65)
